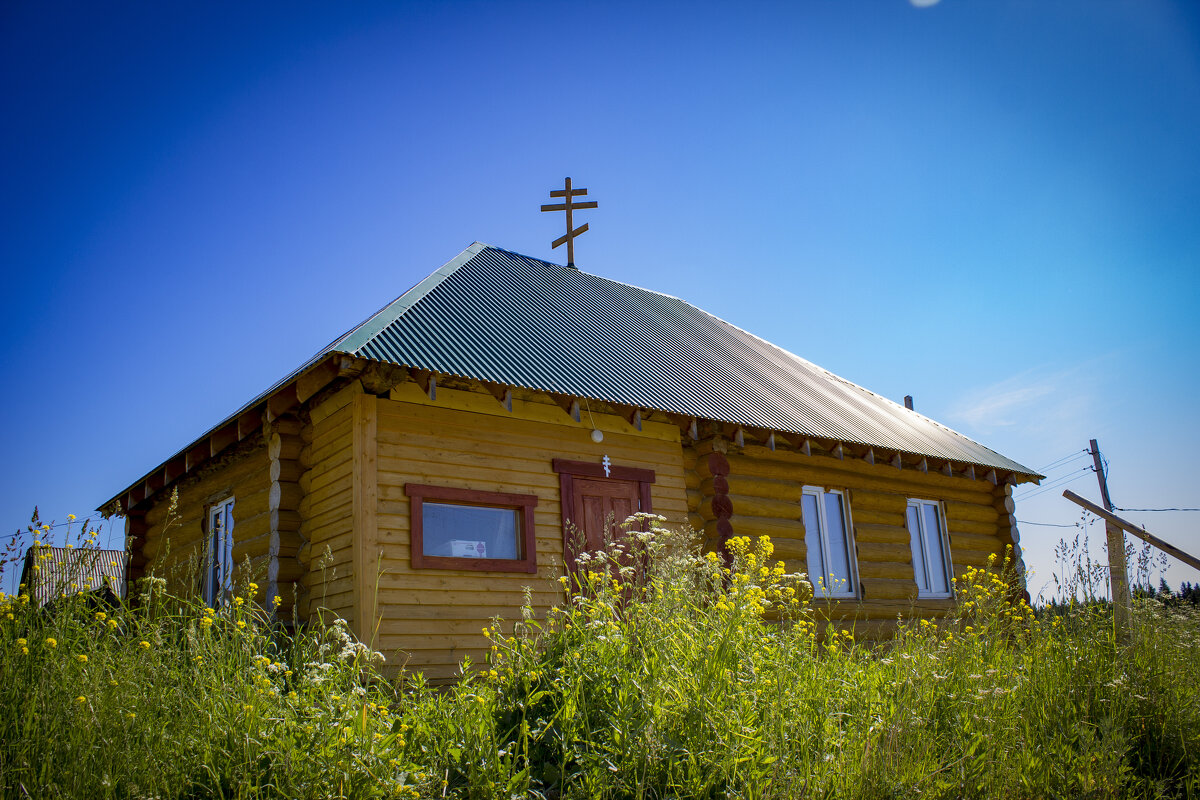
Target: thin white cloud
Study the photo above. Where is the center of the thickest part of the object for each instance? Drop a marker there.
(1044, 403)
(999, 405)
(924, 3)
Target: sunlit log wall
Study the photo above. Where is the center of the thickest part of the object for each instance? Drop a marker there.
(753, 490)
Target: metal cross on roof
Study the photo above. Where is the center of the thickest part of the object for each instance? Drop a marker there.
(568, 194)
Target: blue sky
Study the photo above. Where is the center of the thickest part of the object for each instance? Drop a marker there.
(992, 206)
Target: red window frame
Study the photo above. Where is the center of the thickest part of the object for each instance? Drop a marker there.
(418, 493)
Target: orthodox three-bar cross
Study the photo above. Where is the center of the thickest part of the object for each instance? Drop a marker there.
(568, 194)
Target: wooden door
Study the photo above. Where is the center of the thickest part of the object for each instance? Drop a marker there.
(598, 504)
(595, 493)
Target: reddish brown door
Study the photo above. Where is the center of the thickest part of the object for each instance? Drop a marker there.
(601, 504)
(596, 494)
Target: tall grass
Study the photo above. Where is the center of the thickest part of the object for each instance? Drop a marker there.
(662, 672)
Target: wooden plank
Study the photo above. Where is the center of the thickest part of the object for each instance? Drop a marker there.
(884, 534)
(435, 446)
(874, 589)
(763, 506)
(407, 403)
(1134, 530)
(196, 455)
(222, 438)
(976, 528)
(364, 508)
(338, 401)
(896, 570)
(855, 475)
(281, 402)
(249, 422)
(972, 541)
(974, 512)
(316, 378)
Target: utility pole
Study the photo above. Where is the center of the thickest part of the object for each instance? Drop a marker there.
(1117, 577)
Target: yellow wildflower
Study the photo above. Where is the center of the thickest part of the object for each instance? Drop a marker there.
(51, 642)
(81, 658)
(81, 699)
(241, 623)
(101, 616)
(144, 645)
(21, 642)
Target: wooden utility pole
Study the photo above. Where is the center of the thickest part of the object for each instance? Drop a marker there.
(1118, 580)
(568, 205)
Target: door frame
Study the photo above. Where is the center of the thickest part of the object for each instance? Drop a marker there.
(568, 470)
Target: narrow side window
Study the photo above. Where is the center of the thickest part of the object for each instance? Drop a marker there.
(218, 578)
(930, 552)
(832, 565)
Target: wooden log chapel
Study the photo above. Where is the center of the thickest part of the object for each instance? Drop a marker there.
(438, 449)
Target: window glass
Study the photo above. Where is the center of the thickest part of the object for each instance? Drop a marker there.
(936, 560)
(830, 559)
(839, 556)
(812, 539)
(218, 581)
(931, 564)
(918, 548)
(457, 531)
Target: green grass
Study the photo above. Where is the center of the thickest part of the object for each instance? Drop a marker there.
(688, 677)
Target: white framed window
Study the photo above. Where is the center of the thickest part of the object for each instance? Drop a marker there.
(218, 579)
(930, 550)
(832, 563)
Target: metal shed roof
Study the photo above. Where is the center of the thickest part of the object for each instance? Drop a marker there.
(52, 572)
(494, 315)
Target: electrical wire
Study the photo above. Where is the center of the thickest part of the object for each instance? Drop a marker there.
(1049, 524)
(1054, 484)
(1155, 509)
(54, 525)
(1063, 460)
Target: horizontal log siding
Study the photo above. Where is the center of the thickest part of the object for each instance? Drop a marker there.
(325, 509)
(176, 546)
(431, 618)
(765, 487)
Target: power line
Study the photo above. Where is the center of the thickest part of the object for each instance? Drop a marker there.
(1065, 458)
(1054, 484)
(1049, 524)
(1155, 509)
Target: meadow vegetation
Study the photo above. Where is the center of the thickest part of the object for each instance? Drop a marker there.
(662, 672)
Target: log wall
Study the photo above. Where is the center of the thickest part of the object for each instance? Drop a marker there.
(175, 546)
(430, 619)
(325, 459)
(759, 494)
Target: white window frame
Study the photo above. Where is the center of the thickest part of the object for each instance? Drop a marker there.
(218, 551)
(918, 538)
(819, 589)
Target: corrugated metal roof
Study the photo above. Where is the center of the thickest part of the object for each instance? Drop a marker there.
(71, 570)
(494, 315)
